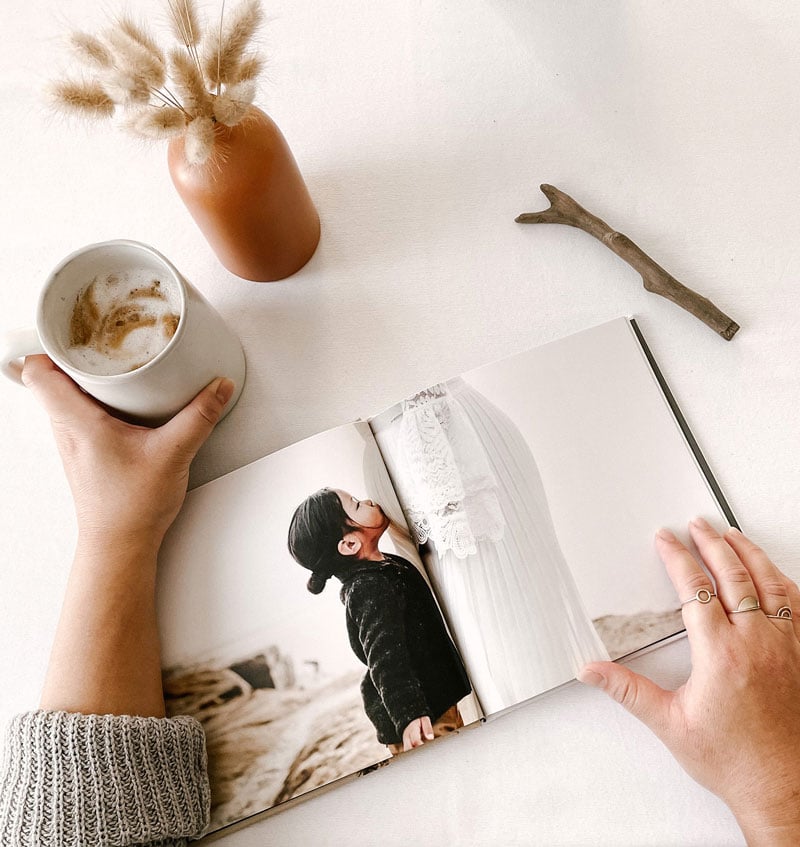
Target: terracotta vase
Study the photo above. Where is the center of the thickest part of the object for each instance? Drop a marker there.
(249, 199)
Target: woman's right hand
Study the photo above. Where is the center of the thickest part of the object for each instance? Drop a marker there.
(735, 725)
(128, 482)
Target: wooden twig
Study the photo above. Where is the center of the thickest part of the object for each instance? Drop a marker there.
(564, 210)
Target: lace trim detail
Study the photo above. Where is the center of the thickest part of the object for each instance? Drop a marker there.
(429, 395)
(449, 491)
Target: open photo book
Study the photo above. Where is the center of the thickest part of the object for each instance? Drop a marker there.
(464, 551)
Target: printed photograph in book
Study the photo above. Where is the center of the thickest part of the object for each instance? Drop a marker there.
(298, 627)
(385, 583)
(527, 483)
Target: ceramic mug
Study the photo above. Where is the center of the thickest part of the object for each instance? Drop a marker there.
(201, 348)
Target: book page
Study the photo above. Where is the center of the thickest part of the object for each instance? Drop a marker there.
(273, 672)
(535, 486)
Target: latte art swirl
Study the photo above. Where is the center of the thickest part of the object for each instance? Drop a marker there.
(119, 322)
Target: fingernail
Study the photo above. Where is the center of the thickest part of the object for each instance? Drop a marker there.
(224, 390)
(430, 736)
(734, 531)
(665, 535)
(590, 677)
(701, 523)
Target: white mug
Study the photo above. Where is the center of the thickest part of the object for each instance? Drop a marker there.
(202, 347)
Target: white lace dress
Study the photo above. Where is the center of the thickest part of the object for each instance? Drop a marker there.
(469, 486)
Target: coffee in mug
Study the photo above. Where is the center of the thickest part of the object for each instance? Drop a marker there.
(121, 320)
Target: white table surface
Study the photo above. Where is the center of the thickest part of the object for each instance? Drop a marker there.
(422, 129)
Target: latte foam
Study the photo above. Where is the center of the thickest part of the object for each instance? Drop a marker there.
(121, 321)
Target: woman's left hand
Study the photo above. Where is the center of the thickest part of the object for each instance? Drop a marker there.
(735, 724)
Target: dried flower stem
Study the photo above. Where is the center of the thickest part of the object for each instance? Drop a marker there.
(171, 98)
(193, 38)
(222, 63)
(187, 27)
(168, 99)
(219, 45)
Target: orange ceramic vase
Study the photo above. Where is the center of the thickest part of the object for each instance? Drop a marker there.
(249, 199)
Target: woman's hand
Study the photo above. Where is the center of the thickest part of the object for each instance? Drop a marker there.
(128, 482)
(735, 725)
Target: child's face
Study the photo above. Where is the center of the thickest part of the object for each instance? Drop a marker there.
(363, 513)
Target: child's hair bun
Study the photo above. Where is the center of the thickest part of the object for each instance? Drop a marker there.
(317, 582)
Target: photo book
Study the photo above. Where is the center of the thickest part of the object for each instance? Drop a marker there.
(426, 569)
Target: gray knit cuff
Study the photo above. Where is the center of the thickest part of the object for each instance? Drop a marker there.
(69, 780)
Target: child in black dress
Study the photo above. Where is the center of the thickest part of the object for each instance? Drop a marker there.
(414, 675)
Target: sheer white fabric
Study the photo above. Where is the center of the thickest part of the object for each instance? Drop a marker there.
(448, 489)
(512, 604)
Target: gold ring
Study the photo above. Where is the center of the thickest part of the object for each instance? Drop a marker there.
(702, 595)
(746, 604)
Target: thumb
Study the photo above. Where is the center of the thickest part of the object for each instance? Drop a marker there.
(640, 696)
(189, 429)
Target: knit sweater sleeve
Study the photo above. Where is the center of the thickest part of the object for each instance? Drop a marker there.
(69, 780)
(377, 612)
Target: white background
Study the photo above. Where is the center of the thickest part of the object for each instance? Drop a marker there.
(423, 128)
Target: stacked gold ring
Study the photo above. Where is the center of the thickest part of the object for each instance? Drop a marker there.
(746, 604)
(702, 595)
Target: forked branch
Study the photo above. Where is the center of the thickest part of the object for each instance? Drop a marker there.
(564, 210)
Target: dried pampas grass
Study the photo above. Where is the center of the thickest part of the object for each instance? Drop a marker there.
(90, 49)
(139, 61)
(158, 122)
(189, 84)
(226, 54)
(232, 104)
(208, 79)
(124, 88)
(199, 140)
(249, 69)
(185, 21)
(84, 98)
(136, 33)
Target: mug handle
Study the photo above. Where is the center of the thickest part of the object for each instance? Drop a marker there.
(14, 345)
